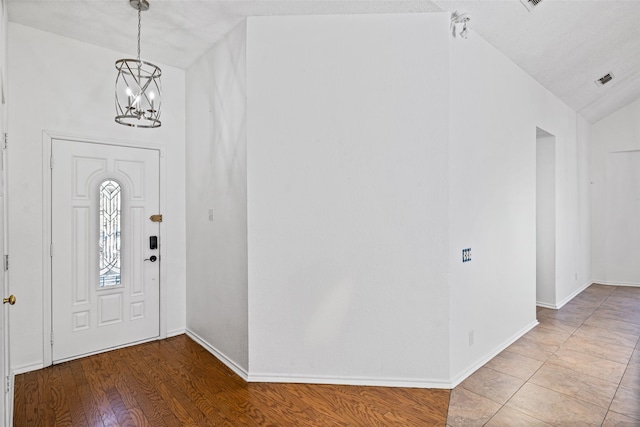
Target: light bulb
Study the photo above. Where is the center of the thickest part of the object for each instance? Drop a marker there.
(128, 91)
(151, 95)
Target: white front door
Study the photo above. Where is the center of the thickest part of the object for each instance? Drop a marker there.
(105, 275)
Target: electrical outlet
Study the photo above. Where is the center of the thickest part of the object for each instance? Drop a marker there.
(466, 255)
(471, 338)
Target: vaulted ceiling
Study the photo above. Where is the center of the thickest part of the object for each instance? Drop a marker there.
(566, 45)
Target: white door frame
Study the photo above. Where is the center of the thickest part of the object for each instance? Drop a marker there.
(47, 140)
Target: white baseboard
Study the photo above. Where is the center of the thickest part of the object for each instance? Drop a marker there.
(175, 332)
(562, 303)
(547, 305)
(240, 371)
(17, 370)
(607, 283)
(356, 381)
(465, 374)
(353, 381)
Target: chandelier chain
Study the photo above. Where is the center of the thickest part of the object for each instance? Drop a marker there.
(139, 25)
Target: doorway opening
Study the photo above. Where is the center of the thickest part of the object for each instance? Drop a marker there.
(545, 219)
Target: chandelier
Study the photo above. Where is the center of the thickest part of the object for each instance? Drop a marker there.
(138, 88)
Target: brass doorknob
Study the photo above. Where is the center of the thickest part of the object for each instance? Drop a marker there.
(11, 300)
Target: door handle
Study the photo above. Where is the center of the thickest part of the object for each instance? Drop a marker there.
(11, 300)
(152, 258)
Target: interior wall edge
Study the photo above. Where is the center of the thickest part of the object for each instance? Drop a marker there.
(228, 362)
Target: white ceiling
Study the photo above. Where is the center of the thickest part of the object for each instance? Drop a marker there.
(564, 44)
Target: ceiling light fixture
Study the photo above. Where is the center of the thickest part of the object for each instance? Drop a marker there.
(459, 24)
(138, 88)
(530, 4)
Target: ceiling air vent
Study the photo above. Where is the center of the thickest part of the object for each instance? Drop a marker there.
(530, 4)
(604, 79)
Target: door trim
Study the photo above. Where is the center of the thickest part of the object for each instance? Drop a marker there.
(47, 140)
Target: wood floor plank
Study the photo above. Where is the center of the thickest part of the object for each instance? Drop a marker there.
(175, 383)
(150, 401)
(168, 387)
(76, 412)
(87, 401)
(19, 401)
(58, 399)
(93, 373)
(32, 399)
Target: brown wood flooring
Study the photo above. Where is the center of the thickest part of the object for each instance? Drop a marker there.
(175, 382)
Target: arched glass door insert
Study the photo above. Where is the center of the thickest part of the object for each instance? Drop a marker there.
(109, 241)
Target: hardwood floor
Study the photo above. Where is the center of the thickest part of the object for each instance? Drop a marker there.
(175, 382)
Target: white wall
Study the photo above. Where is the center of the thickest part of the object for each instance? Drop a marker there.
(63, 85)
(615, 161)
(495, 109)
(376, 149)
(347, 198)
(217, 179)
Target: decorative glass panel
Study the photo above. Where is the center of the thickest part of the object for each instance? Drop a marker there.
(109, 224)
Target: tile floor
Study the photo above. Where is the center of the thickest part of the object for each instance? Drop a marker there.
(579, 367)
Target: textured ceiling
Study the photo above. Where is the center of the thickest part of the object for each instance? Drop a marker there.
(564, 44)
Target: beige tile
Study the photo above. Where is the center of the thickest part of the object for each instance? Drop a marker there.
(574, 384)
(588, 301)
(618, 420)
(620, 315)
(469, 409)
(597, 287)
(507, 417)
(635, 357)
(514, 364)
(613, 325)
(588, 364)
(627, 402)
(631, 378)
(548, 336)
(493, 385)
(574, 318)
(628, 292)
(616, 353)
(528, 347)
(553, 331)
(623, 302)
(558, 325)
(555, 408)
(607, 336)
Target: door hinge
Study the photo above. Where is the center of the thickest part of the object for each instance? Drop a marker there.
(51, 250)
(51, 337)
(51, 162)
(6, 262)
(8, 384)
(6, 140)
